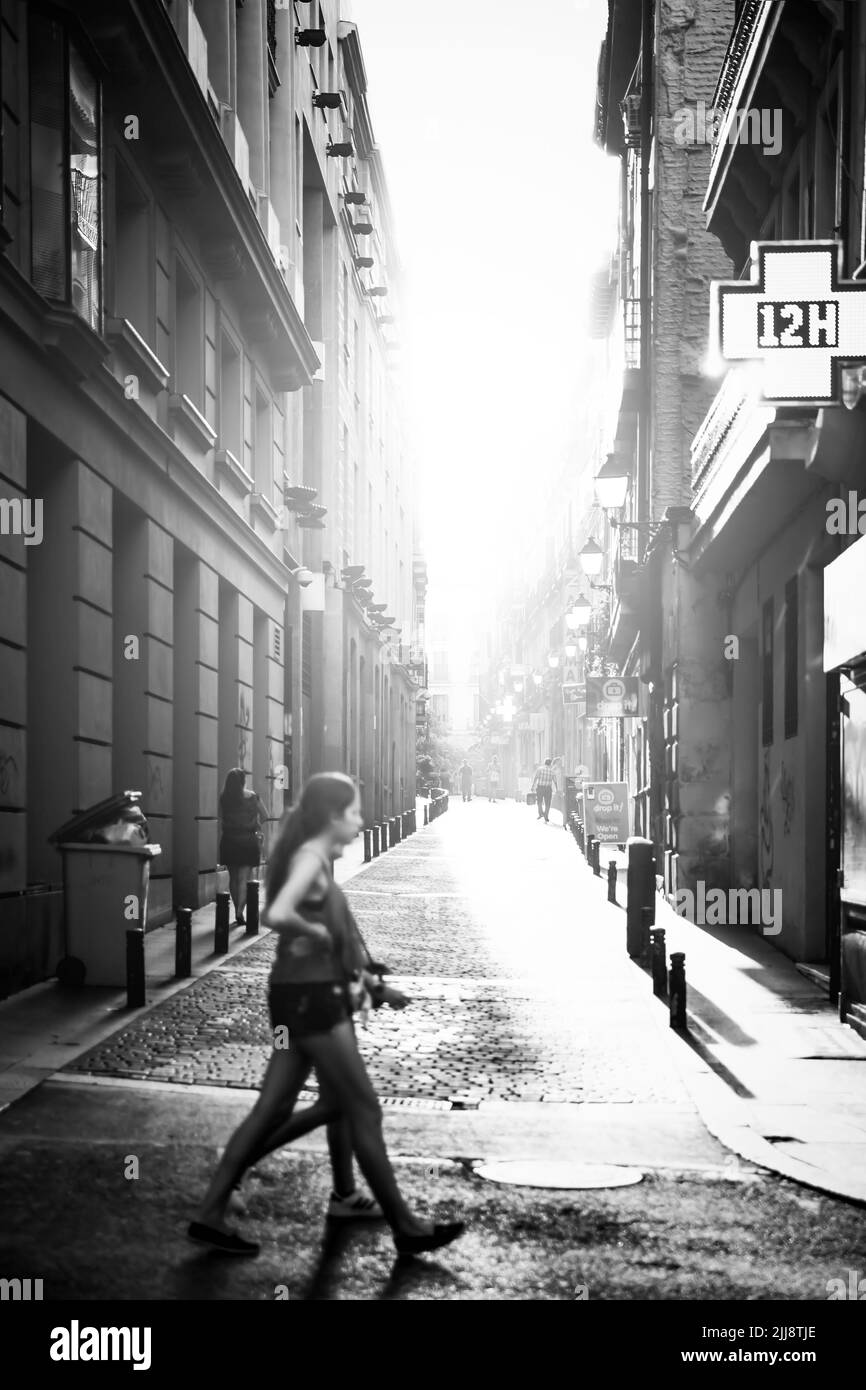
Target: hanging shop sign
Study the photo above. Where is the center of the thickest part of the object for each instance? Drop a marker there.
(612, 697)
(605, 811)
(796, 316)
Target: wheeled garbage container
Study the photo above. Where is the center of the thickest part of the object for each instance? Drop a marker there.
(106, 874)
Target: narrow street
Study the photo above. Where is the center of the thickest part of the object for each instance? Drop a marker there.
(531, 1036)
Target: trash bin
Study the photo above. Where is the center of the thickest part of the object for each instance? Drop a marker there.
(106, 873)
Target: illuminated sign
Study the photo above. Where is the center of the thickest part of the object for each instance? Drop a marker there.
(612, 697)
(796, 316)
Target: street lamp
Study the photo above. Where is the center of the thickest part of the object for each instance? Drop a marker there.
(592, 559)
(571, 650)
(611, 484)
(582, 642)
(579, 614)
(553, 661)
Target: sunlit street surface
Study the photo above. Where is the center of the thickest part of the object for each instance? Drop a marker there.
(531, 1036)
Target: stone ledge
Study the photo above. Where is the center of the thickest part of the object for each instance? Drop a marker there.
(183, 410)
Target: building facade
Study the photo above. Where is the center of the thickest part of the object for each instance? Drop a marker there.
(743, 627)
(174, 368)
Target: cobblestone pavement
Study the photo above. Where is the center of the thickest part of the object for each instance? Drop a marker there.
(514, 998)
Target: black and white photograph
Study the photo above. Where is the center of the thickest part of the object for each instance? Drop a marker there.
(432, 673)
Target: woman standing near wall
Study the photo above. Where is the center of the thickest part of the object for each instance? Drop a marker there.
(242, 818)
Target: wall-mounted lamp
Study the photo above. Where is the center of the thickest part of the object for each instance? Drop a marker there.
(592, 558)
(570, 650)
(579, 613)
(553, 661)
(302, 576)
(611, 483)
(582, 642)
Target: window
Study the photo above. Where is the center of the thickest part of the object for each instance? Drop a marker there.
(791, 656)
(767, 674)
(306, 653)
(345, 320)
(440, 708)
(132, 254)
(230, 398)
(188, 335)
(264, 446)
(66, 218)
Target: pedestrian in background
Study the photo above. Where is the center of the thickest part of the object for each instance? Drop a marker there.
(242, 820)
(465, 772)
(493, 775)
(544, 785)
(322, 973)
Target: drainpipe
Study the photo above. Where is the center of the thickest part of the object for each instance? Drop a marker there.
(643, 461)
(846, 127)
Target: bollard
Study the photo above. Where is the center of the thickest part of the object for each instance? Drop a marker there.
(252, 907)
(395, 830)
(377, 842)
(640, 895)
(677, 991)
(611, 880)
(596, 861)
(426, 814)
(183, 943)
(221, 924)
(368, 846)
(660, 974)
(135, 996)
(384, 837)
(581, 838)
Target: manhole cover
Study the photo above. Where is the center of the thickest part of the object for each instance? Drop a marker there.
(538, 1173)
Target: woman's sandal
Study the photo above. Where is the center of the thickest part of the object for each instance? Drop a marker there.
(442, 1234)
(226, 1242)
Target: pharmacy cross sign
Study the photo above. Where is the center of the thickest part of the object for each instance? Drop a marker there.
(795, 315)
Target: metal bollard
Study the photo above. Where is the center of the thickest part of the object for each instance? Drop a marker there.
(677, 991)
(426, 814)
(368, 846)
(135, 978)
(640, 895)
(252, 907)
(594, 858)
(384, 837)
(395, 830)
(581, 837)
(377, 841)
(221, 924)
(183, 943)
(660, 974)
(611, 880)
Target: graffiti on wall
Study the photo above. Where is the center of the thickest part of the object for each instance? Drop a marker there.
(765, 827)
(787, 793)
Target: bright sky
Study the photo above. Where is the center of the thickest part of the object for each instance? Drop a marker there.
(503, 208)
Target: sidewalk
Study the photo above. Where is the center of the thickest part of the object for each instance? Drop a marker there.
(768, 1063)
(45, 1027)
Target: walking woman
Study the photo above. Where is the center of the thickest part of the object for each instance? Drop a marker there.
(321, 974)
(242, 816)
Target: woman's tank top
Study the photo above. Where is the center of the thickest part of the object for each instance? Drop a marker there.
(302, 961)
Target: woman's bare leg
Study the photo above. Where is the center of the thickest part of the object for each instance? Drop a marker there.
(287, 1070)
(234, 889)
(341, 1069)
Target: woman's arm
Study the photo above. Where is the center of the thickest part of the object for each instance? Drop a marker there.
(283, 915)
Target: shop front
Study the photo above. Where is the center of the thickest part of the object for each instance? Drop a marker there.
(845, 663)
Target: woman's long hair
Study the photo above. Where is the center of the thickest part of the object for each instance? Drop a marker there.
(325, 794)
(233, 789)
